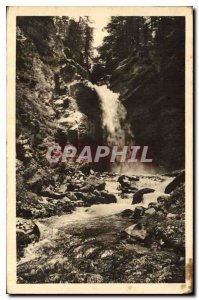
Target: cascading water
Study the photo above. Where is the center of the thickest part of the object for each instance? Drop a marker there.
(116, 130)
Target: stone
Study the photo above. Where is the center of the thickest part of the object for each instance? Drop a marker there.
(109, 198)
(152, 204)
(126, 213)
(138, 212)
(138, 196)
(150, 211)
(171, 216)
(137, 231)
(176, 182)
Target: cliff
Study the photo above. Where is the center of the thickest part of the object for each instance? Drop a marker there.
(152, 90)
(53, 104)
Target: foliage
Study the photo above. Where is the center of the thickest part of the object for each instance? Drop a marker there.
(129, 36)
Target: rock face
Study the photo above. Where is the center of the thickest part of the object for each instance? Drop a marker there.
(154, 100)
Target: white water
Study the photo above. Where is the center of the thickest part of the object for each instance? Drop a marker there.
(113, 114)
(49, 228)
(83, 215)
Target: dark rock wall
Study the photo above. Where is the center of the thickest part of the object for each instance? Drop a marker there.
(152, 90)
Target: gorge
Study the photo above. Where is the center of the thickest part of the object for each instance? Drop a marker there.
(106, 222)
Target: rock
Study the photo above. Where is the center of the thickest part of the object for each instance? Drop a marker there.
(174, 173)
(163, 202)
(91, 198)
(152, 204)
(96, 278)
(162, 199)
(138, 196)
(100, 186)
(79, 203)
(126, 185)
(137, 231)
(126, 213)
(176, 182)
(124, 178)
(86, 189)
(36, 183)
(147, 190)
(172, 233)
(135, 178)
(108, 198)
(27, 232)
(138, 212)
(171, 216)
(48, 193)
(150, 211)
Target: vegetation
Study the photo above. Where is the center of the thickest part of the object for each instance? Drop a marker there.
(143, 36)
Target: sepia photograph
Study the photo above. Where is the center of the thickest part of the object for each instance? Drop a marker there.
(99, 150)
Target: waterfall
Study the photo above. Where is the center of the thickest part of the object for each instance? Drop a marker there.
(114, 113)
(117, 130)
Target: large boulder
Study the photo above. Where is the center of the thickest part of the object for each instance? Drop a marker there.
(176, 182)
(138, 196)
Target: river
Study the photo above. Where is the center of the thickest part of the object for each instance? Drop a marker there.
(89, 234)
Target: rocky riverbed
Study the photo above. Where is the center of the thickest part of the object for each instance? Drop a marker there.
(108, 239)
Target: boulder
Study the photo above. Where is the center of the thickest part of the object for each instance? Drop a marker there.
(138, 196)
(138, 212)
(108, 198)
(172, 216)
(126, 213)
(150, 211)
(176, 182)
(48, 193)
(162, 199)
(124, 178)
(152, 204)
(137, 232)
(126, 185)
